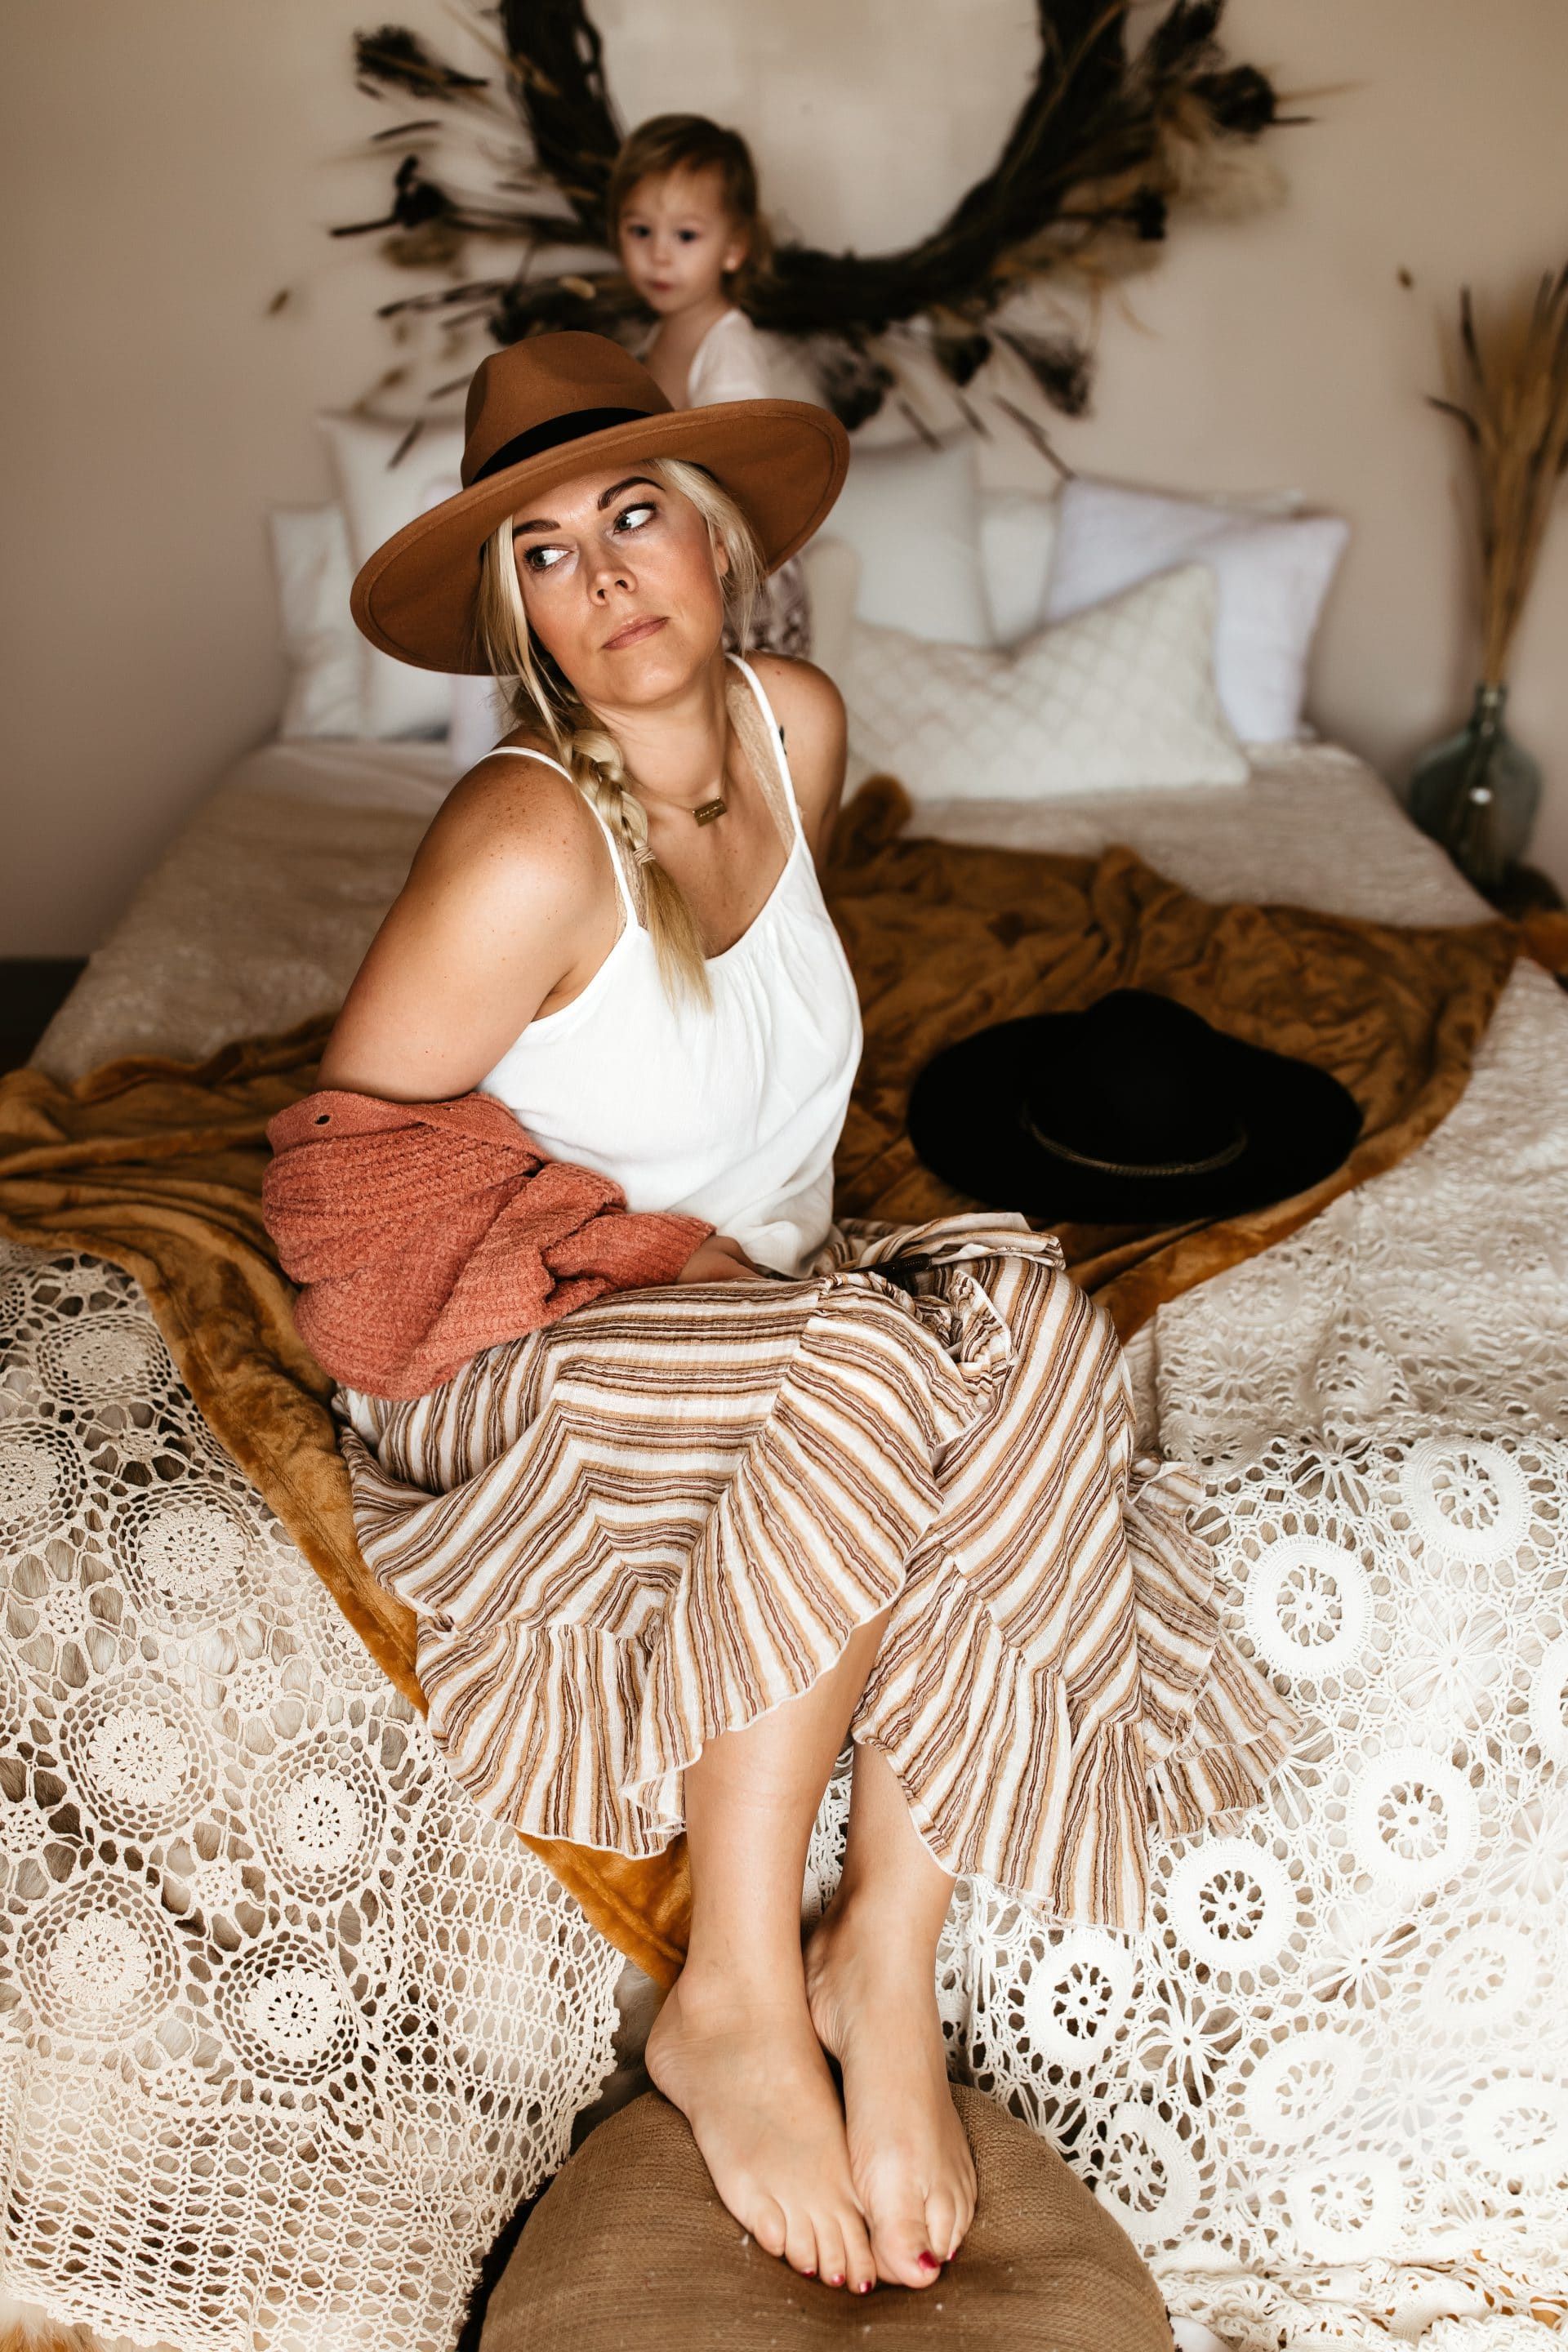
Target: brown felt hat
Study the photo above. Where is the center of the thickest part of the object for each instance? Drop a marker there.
(630, 2251)
(544, 409)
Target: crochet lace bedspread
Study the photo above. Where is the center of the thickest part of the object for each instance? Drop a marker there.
(287, 2028)
(1326, 2091)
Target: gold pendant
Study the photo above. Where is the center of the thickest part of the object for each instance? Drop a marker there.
(709, 810)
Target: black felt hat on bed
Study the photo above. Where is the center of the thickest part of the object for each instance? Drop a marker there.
(1135, 1111)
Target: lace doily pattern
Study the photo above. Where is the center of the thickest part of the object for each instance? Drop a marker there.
(258, 2091)
(287, 2028)
(1340, 2048)
(1430, 1303)
(1327, 2089)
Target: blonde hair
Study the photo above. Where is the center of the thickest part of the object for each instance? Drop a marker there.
(539, 694)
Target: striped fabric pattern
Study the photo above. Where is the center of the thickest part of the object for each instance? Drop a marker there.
(663, 1515)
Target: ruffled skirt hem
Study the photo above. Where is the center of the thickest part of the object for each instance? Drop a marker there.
(661, 1519)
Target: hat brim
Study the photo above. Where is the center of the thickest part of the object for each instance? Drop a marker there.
(964, 1122)
(783, 462)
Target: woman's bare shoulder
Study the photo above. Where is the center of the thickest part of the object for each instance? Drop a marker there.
(799, 691)
(508, 815)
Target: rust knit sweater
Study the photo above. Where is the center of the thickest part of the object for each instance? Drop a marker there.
(421, 1232)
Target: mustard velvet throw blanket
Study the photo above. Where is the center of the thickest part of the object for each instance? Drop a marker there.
(157, 1166)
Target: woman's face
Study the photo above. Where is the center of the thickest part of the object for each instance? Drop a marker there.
(678, 240)
(621, 585)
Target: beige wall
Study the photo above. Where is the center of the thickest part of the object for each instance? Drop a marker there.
(173, 162)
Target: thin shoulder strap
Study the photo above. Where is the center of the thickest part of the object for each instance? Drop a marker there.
(522, 751)
(775, 737)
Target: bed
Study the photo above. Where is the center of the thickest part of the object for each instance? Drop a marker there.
(289, 2029)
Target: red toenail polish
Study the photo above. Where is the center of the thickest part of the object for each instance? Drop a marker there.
(836, 2280)
(864, 2287)
(930, 2262)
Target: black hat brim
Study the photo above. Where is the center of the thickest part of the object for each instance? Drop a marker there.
(966, 1122)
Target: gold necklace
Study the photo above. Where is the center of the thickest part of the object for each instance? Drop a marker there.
(710, 812)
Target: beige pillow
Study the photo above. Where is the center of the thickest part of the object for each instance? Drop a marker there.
(1119, 698)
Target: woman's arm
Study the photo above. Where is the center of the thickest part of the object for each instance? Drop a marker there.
(508, 909)
(810, 709)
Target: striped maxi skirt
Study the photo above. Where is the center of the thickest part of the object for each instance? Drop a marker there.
(663, 1515)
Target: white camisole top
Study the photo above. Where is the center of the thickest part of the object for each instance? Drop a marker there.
(730, 1113)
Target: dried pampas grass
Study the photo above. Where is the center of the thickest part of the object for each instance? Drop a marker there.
(1512, 399)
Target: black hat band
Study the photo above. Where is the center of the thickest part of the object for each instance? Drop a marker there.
(575, 426)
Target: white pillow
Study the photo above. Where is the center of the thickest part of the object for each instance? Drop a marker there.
(1017, 532)
(1119, 698)
(912, 517)
(321, 644)
(831, 571)
(379, 498)
(1017, 529)
(1273, 574)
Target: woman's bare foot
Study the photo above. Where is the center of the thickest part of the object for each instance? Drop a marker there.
(749, 2076)
(873, 2003)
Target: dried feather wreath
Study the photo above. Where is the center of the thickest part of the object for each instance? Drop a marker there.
(1110, 140)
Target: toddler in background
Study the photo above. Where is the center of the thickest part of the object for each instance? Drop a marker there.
(684, 216)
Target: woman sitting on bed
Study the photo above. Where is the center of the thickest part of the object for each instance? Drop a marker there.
(669, 1550)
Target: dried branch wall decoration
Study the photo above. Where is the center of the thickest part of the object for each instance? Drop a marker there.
(1110, 141)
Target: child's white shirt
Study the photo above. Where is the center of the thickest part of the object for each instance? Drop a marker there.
(729, 363)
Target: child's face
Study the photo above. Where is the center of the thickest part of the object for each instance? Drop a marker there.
(677, 242)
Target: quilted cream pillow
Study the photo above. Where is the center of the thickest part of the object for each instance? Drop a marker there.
(1119, 698)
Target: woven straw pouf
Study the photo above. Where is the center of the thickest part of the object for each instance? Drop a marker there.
(630, 2251)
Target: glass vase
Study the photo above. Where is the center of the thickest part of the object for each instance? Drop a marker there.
(1477, 793)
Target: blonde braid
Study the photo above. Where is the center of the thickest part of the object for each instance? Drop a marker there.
(594, 757)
